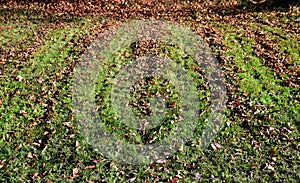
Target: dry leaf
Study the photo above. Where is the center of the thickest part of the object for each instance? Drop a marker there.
(75, 172)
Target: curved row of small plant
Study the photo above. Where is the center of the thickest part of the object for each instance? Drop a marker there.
(40, 139)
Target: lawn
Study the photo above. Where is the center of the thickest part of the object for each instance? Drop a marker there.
(257, 48)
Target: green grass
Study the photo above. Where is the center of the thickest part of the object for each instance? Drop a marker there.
(40, 139)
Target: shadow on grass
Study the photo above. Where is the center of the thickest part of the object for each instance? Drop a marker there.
(249, 6)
